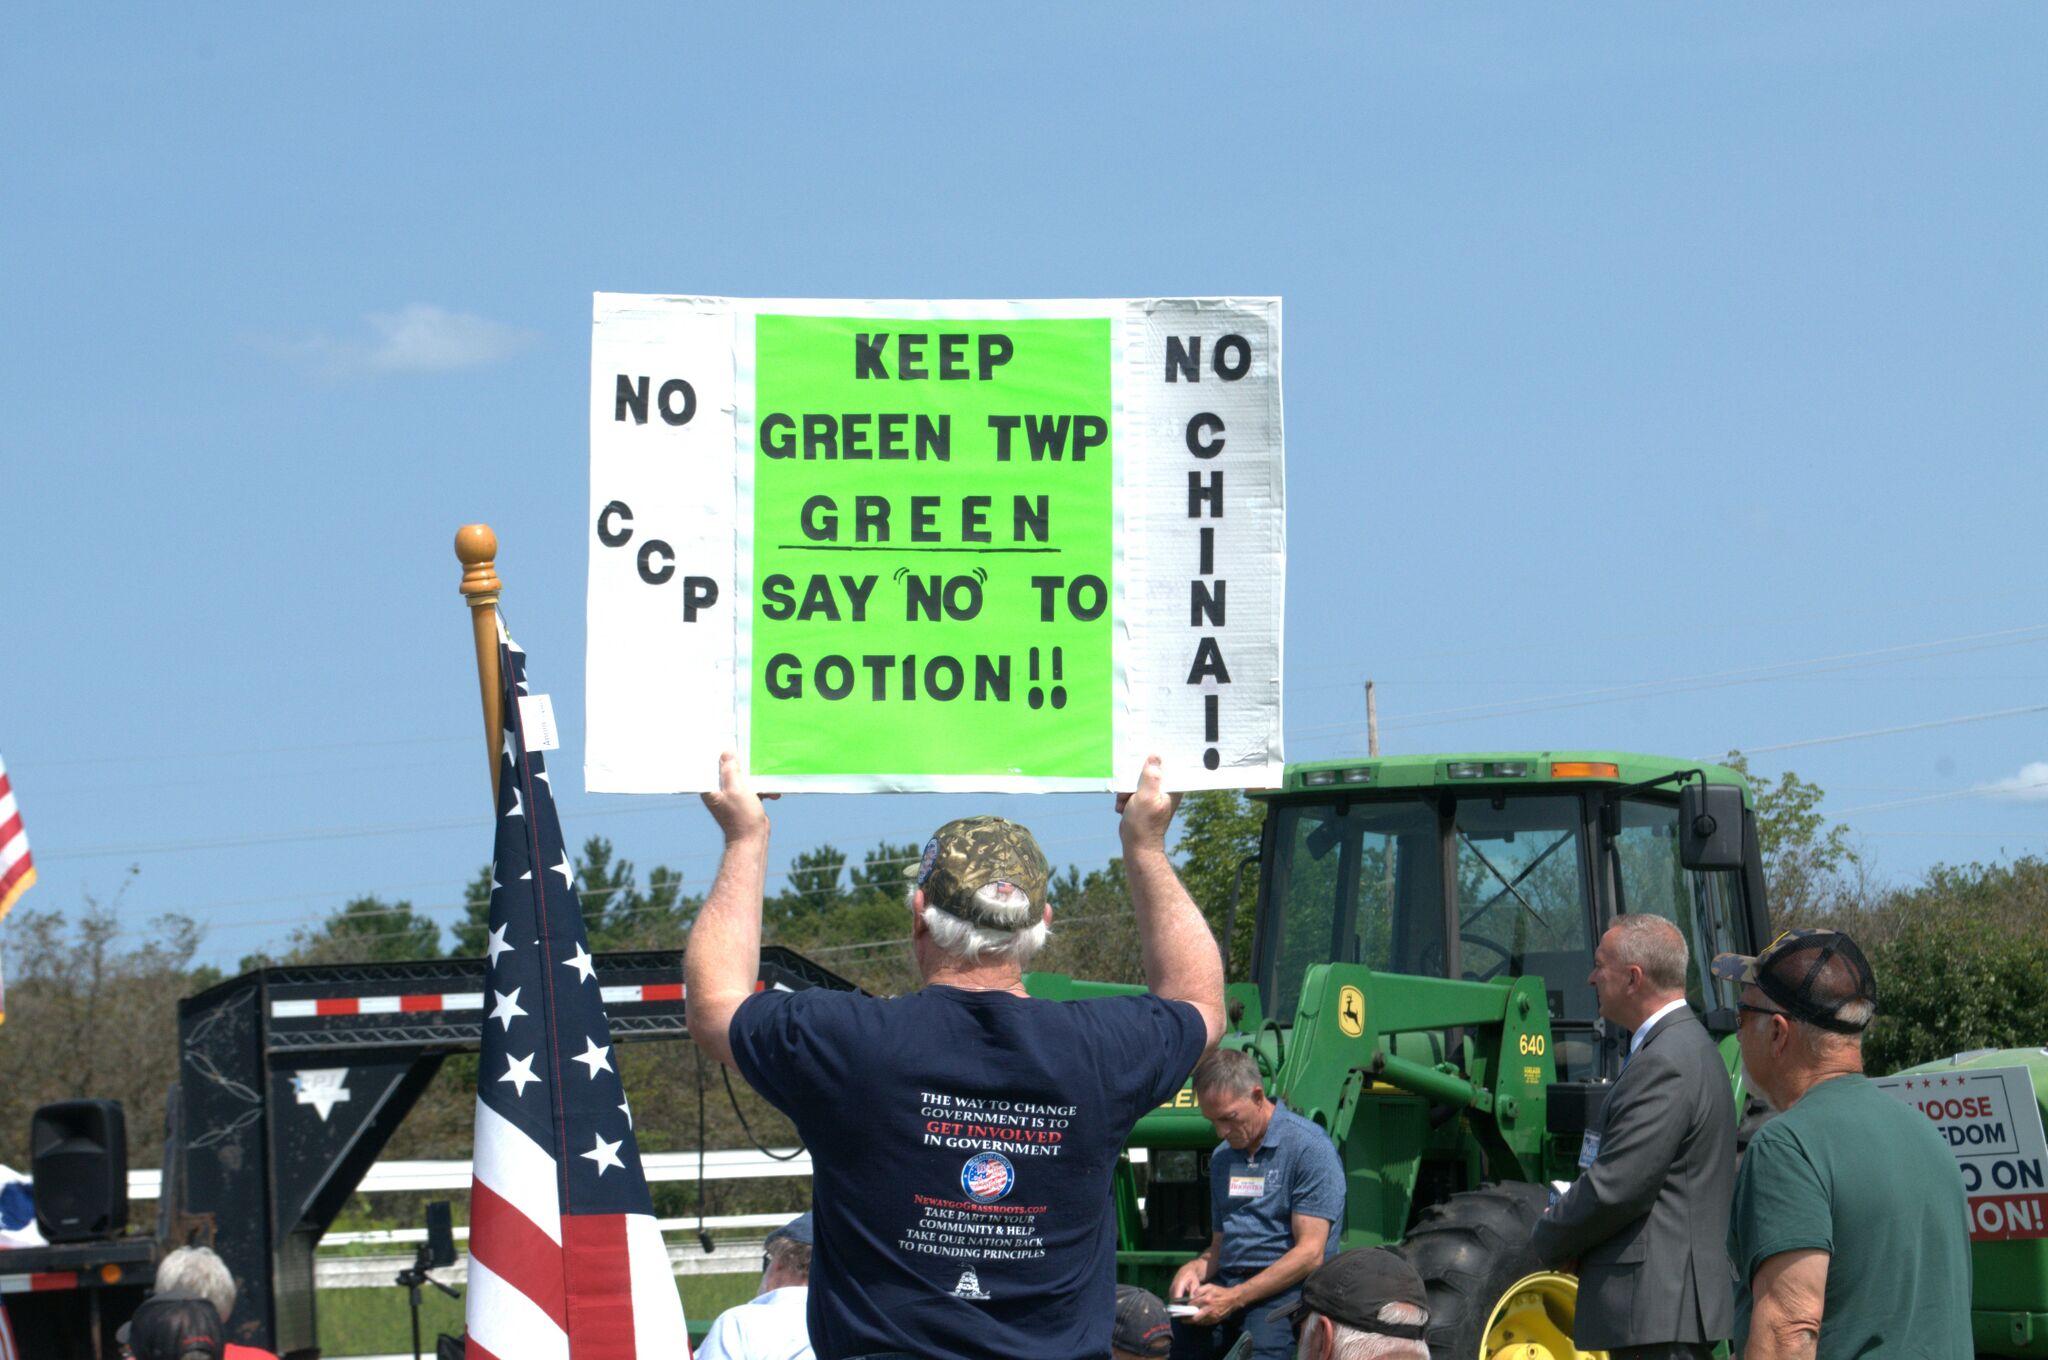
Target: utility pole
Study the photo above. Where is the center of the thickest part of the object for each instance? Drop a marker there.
(1372, 719)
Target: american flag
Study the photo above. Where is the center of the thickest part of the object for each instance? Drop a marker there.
(565, 1260)
(17, 870)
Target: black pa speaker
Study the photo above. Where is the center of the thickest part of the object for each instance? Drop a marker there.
(78, 1152)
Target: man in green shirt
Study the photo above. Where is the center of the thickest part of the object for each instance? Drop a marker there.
(1850, 1233)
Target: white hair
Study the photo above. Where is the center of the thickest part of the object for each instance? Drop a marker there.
(970, 943)
(197, 1271)
(1351, 1344)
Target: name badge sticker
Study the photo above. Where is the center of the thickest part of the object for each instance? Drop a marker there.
(1589, 1150)
(1248, 1187)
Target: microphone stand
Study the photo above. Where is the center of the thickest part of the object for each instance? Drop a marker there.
(412, 1279)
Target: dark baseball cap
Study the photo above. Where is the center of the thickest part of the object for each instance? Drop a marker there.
(1142, 1325)
(1810, 974)
(171, 1326)
(964, 856)
(797, 1230)
(1351, 1287)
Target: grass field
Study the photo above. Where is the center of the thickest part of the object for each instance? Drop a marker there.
(379, 1321)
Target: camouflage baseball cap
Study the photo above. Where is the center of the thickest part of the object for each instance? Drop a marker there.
(967, 855)
(1812, 974)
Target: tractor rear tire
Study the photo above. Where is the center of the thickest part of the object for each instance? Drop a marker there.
(1470, 1250)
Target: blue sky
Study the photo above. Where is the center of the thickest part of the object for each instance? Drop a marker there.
(1659, 377)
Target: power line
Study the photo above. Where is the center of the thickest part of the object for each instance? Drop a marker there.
(1892, 731)
(1670, 685)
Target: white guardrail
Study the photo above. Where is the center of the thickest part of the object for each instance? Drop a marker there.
(728, 1165)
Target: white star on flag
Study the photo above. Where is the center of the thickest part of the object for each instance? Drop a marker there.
(568, 874)
(580, 961)
(542, 776)
(519, 1073)
(508, 1008)
(495, 884)
(497, 945)
(518, 808)
(511, 749)
(604, 1154)
(594, 1057)
(626, 1108)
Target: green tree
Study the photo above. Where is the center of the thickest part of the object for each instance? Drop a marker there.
(812, 892)
(617, 913)
(367, 930)
(91, 1012)
(1960, 960)
(1219, 830)
(473, 932)
(1805, 858)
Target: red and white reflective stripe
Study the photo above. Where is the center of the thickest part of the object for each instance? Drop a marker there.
(40, 1282)
(308, 1007)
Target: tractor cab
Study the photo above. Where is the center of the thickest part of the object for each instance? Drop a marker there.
(1502, 866)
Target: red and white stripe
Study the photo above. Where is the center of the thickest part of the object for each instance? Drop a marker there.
(549, 1286)
(41, 1282)
(307, 1007)
(17, 870)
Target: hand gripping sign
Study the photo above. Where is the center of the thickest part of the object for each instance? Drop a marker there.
(997, 546)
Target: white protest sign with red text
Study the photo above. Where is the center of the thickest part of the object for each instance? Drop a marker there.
(1991, 1120)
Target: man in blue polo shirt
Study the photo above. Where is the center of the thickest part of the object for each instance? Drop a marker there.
(1276, 1196)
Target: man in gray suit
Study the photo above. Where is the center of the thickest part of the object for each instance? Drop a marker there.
(1647, 1219)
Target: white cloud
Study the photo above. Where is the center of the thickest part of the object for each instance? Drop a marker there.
(420, 338)
(2030, 785)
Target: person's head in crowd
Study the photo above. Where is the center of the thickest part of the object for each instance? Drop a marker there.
(1143, 1329)
(199, 1272)
(1638, 967)
(173, 1327)
(786, 1258)
(1362, 1304)
(1232, 1098)
(1805, 1003)
(980, 897)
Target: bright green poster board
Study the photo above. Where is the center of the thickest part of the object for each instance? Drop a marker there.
(933, 511)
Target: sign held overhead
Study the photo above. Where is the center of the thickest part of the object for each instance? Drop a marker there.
(997, 546)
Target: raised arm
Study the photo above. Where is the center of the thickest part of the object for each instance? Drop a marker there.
(723, 956)
(1181, 960)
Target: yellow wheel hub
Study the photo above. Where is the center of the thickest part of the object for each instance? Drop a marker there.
(1533, 1321)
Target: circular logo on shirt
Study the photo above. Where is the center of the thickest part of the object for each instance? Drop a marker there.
(987, 1177)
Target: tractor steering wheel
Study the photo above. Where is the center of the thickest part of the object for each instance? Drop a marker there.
(1507, 956)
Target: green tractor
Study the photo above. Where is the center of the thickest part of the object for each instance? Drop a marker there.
(1424, 927)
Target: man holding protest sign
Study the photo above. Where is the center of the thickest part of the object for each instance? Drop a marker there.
(1849, 1231)
(962, 1137)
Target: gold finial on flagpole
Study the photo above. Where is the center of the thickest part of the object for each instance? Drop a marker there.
(477, 549)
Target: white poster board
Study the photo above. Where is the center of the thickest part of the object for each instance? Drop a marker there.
(1991, 1119)
(933, 545)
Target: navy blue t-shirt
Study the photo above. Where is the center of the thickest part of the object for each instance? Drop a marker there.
(962, 1144)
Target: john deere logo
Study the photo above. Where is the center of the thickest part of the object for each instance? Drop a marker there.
(1351, 1011)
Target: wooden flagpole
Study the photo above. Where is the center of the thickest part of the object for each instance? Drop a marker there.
(477, 549)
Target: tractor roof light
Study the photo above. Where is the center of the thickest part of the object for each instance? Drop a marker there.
(1465, 769)
(1317, 779)
(1584, 769)
(1508, 769)
(1358, 775)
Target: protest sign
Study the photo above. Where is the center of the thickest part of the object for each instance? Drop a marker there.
(1991, 1120)
(996, 546)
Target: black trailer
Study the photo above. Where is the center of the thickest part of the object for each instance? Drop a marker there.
(290, 1082)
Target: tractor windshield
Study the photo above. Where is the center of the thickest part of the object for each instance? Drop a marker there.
(1356, 883)
(1363, 882)
(1704, 906)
